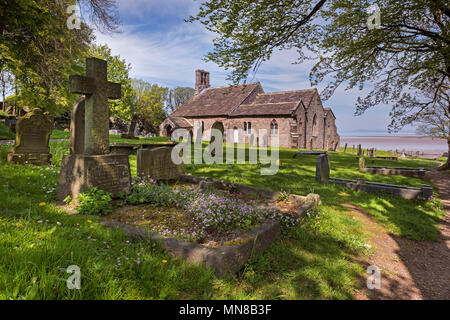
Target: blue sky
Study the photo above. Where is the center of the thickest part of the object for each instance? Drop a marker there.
(164, 49)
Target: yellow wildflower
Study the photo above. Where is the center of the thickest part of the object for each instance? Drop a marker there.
(164, 261)
(42, 204)
(89, 221)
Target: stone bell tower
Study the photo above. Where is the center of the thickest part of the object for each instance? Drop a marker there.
(201, 80)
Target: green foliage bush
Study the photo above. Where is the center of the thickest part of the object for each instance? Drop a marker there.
(94, 202)
(147, 191)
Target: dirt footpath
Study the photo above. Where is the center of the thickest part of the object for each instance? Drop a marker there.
(409, 269)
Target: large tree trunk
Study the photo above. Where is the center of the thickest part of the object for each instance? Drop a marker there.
(446, 166)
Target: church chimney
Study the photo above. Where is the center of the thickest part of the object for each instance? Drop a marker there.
(201, 80)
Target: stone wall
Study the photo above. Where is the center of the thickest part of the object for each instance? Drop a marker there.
(314, 128)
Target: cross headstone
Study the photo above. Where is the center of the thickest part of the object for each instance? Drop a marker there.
(90, 163)
(97, 89)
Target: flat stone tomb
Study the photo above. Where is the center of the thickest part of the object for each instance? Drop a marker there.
(322, 176)
(425, 192)
(410, 172)
(312, 153)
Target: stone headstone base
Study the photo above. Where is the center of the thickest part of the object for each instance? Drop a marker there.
(38, 159)
(109, 172)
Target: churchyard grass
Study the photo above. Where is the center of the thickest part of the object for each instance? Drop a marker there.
(313, 261)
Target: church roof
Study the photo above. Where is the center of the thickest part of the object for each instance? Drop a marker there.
(276, 103)
(180, 122)
(287, 96)
(218, 101)
(255, 109)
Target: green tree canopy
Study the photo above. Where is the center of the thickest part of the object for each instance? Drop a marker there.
(38, 48)
(150, 99)
(176, 97)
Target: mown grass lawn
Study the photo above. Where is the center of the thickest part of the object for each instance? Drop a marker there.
(38, 241)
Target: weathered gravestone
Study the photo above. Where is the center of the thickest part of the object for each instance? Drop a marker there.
(131, 129)
(359, 150)
(32, 139)
(345, 148)
(90, 164)
(323, 168)
(362, 163)
(157, 164)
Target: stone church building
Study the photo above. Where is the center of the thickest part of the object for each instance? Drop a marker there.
(297, 117)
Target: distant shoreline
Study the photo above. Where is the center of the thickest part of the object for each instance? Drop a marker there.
(430, 147)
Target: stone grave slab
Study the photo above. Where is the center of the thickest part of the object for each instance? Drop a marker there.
(312, 153)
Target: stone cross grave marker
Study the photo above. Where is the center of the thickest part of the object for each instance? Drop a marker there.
(97, 89)
(90, 163)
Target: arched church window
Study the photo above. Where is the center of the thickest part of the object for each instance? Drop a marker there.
(314, 126)
(274, 127)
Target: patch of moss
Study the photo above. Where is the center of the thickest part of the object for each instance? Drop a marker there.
(239, 241)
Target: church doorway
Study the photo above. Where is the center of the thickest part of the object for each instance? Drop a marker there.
(217, 126)
(168, 130)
